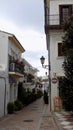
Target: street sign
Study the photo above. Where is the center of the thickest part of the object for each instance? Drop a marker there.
(54, 80)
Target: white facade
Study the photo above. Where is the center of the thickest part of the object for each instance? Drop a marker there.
(56, 62)
(9, 47)
(54, 34)
(29, 70)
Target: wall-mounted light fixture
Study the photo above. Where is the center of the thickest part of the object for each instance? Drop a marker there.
(42, 60)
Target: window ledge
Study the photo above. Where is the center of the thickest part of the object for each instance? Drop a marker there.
(60, 57)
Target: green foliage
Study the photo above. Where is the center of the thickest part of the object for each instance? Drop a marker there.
(66, 94)
(10, 107)
(39, 93)
(68, 48)
(26, 97)
(66, 87)
(18, 105)
(22, 94)
(68, 24)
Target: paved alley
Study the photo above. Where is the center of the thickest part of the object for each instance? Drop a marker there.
(64, 120)
(35, 116)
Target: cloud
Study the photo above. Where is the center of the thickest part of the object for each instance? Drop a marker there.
(25, 19)
(34, 40)
(29, 38)
(34, 57)
(24, 13)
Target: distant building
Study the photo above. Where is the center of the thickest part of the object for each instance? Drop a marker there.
(30, 75)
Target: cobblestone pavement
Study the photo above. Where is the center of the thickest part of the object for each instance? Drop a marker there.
(35, 116)
(64, 120)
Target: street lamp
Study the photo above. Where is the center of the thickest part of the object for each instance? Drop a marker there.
(42, 60)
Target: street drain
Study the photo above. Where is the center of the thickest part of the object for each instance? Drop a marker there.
(28, 120)
(46, 116)
(34, 109)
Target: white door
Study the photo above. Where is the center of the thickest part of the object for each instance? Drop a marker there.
(2, 96)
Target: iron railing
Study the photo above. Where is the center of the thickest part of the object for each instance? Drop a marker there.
(15, 67)
(55, 19)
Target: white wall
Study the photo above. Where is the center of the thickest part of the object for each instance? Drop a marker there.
(56, 62)
(13, 50)
(3, 49)
(54, 10)
(28, 86)
(54, 5)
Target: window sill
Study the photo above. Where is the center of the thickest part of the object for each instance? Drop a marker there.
(60, 57)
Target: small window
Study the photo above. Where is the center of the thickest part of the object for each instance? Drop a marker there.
(60, 49)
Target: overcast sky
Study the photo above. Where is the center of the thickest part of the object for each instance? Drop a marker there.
(25, 19)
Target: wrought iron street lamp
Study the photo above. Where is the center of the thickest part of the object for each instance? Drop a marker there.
(42, 60)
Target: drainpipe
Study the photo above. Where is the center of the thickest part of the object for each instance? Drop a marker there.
(49, 71)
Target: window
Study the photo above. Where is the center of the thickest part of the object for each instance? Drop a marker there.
(65, 12)
(60, 49)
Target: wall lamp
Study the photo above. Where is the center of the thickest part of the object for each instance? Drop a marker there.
(42, 60)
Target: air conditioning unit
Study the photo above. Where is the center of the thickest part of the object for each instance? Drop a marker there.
(12, 67)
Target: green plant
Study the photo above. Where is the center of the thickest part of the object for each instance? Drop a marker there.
(18, 105)
(66, 94)
(66, 87)
(10, 107)
(39, 94)
(22, 94)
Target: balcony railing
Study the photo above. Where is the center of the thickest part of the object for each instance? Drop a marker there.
(15, 67)
(55, 21)
(52, 19)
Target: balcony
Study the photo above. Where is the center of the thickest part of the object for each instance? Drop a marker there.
(16, 68)
(53, 22)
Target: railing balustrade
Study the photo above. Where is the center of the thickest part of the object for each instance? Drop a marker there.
(52, 19)
(55, 19)
(14, 67)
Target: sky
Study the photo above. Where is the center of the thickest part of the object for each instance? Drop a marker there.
(25, 19)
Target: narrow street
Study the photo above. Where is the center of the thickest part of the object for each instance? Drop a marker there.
(35, 116)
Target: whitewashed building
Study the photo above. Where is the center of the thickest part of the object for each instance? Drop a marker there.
(10, 69)
(56, 11)
(30, 75)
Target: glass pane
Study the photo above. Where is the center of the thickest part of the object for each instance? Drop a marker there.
(65, 13)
